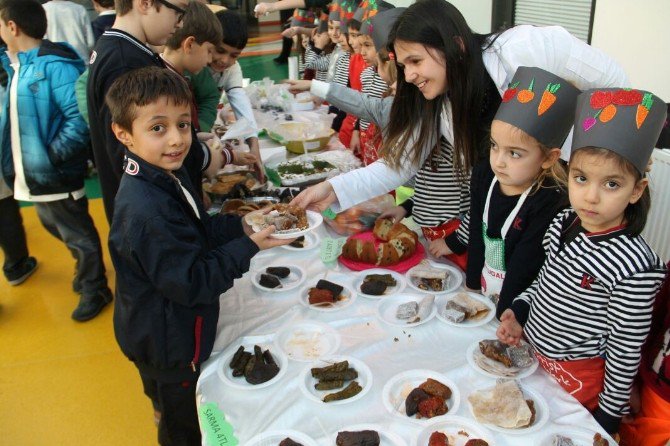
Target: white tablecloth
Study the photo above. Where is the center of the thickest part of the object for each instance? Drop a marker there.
(388, 350)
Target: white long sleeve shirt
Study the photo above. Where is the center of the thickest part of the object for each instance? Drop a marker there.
(69, 22)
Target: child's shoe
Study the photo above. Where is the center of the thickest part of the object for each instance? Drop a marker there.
(90, 306)
(21, 272)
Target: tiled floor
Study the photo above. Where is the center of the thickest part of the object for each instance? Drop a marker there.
(63, 382)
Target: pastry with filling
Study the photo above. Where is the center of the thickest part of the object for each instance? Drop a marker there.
(360, 438)
(503, 405)
(428, 278)
(473, 308)
(496, 350)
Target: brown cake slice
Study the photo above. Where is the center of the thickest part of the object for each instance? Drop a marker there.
(495, 350)
(360, 438)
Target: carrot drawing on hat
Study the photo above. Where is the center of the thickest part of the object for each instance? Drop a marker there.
(608, 113)
(643, 109)
(548, 98)
(526, 95)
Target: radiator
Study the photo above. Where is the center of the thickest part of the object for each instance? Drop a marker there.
(657, 231)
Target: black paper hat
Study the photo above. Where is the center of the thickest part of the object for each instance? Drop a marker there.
(381, 25)
(358, 15)
(624, 121)
(323, 27)
(664, 138)
(541, 104)
(374, 7)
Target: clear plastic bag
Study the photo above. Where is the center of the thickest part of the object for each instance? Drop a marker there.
(361, 217)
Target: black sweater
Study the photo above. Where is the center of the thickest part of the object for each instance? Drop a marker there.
(524, 254)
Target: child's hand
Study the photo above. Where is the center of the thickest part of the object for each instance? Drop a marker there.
(318, 197)
(243, 158)
(263, 240)
(396, 213)
(509, 332)
(355, 144)
(297, 86)
(439, 248)
(291, 32)
(262, 9)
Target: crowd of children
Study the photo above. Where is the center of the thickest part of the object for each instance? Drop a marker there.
(478, 122)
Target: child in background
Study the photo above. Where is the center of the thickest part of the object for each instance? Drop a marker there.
(518, 191)
(317, 56)
(589, 311)
(357, 64)
(105, 19)
(650, 425)
(172, 259)
(48, 140)
(69, 22)
(224, 77)
(190, 48)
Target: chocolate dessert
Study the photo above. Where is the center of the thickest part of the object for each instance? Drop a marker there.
(320, 297)
(476, 442)
(288, 442)
(361, 438)
(436, 388)
(280, 271)
(298, 243)
(330, 286)
(412, 401)
(373, 287)
(269, 281)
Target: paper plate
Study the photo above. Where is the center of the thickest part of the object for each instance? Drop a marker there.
(273, 438)
(307, 382)
(441, 303)
(314, 220)
(541, 415)
(386, 438)
(400, 267)
(397, 388)
(387, 307)
(580, 437)
(474, 349)
(308, 340)
(312, 240)
(292, 281)
(347, 293)
(226, 373)
(399, 286)
(453, 426)
(453, 281)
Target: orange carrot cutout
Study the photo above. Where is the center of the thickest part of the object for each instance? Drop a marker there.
(643, 109)
(548, 98)
(526, 95)
(608, 113)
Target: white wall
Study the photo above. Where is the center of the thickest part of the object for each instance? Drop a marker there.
(635, 34)
(476, 12)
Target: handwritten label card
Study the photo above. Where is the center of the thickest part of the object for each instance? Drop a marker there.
(218, 432)
(331, 248)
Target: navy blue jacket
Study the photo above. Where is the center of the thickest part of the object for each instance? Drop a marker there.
(171, 268)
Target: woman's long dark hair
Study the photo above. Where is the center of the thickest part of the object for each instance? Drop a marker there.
(438, 25)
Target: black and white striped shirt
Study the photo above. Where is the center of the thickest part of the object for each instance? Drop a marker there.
(439, 195)
(373, 86)
(593, 298)
(342, 69)
(317, 60)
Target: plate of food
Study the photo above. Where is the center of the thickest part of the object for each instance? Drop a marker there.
(252, 366)
(389, 245)
(290, 221)
(435, 278)
(336, 380)
(305, 242)
(574, 437)
(407, 310)
(243, 206)
(454, 431)
(284, 437)
(494, 359)
(421, 396)
(509, 408)
(327, 295)
(308, 340)
(464, 309)
(377, 283)
(277, 279)
(367, 434)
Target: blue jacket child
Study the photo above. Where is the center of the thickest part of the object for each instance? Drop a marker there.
(54, 137)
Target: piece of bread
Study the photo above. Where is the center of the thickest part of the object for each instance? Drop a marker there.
(387, 255)
(382, 227)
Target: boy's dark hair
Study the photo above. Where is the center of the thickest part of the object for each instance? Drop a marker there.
(354, 24)
(199, 22)
(28, 15)
(635, 215)
(141, 87)
(123, 6)
(105, 3)
(234, 28)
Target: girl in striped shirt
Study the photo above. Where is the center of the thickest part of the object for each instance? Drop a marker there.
(589, 311)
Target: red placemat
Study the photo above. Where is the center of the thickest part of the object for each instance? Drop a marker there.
(400, 267)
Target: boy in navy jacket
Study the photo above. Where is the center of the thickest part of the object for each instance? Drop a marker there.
(172, 260)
